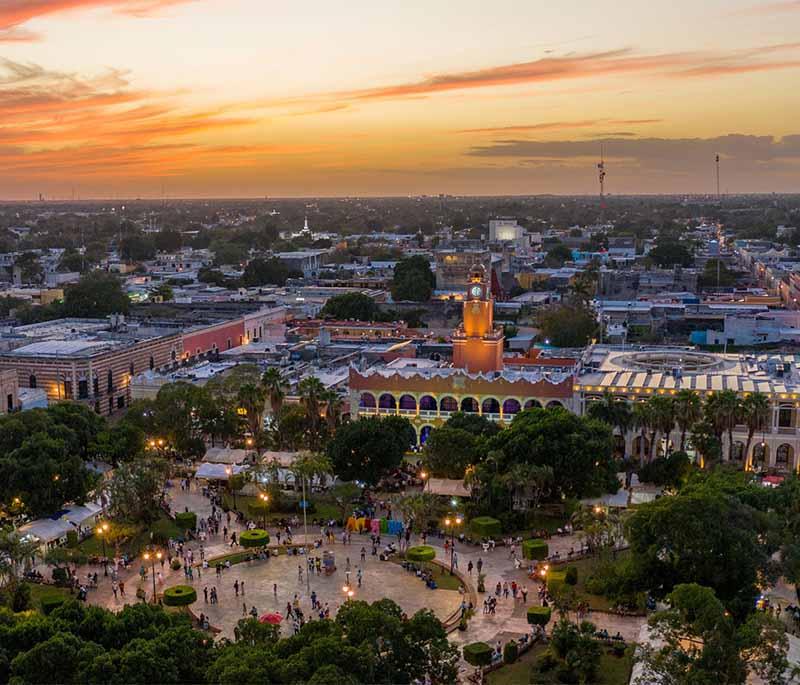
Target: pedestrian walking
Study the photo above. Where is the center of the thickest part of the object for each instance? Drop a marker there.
(205, 594)
(469, 567)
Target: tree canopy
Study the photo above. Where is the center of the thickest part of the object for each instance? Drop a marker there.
(96, 294)
(567, 325)
(267, 272)
(367, 449)
(413, 280)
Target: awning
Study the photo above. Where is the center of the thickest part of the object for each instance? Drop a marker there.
(447, 487)
(217, 471)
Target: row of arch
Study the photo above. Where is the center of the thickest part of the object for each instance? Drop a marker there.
(760, 453)
(490, 405)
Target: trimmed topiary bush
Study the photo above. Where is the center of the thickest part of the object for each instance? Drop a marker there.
(539, 616)
(186, 520)
(175, 564)
(510, 652)
(535, 549)
(571, 575)
(254, 538)
(478, 654)
(180, 596)
(486, 527)
(420, 554)
(556, 581)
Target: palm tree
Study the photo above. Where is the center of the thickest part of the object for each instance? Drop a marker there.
(663, 419)
(251, 398)
(724, 410)
(643, 420)
(333, 408)
(311, 390)
(272, 381)
(616, 413)
(755, 414)
(688, 410)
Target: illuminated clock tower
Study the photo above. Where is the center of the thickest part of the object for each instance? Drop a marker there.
(477, 343)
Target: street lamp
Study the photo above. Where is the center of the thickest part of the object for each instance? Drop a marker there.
(450, 524)
(264, 497)
(102, 529)
(152, 557)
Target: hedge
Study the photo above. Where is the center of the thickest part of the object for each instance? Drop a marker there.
(420, 553)
(571, 575)
(535, 549)
(510, 652)
(486, 527)
(556, 580)
(254, 538)
(539, 616)
(49, 604)
(186, 520)
(180, 595)
(478, 654)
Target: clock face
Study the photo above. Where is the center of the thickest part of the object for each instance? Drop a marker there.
(476, 291)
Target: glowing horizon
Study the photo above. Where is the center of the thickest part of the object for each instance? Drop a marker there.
(240, 98)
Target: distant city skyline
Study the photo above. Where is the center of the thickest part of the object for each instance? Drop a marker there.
(243, 98)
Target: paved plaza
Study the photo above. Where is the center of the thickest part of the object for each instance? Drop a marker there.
(380, 580)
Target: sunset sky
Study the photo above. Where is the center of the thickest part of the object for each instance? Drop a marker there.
(239, 98)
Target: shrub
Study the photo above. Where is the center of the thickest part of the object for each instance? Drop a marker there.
(556, 581)
(254, 538)
(21, 597)
(60, 576)
(180, 596)
(539, 616)
(510, 652)
(421, 553)
(72, 539)
(175, 564)
(571, 575)
(257, 510)
(535, 549)
(546, 662)
(567, 675)
(485, 527)
(186, 520)
(478, 654)
(50, 604)
(619, 650)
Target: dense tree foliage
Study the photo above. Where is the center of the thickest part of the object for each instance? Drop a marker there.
(97, 294)
(42, 457)
(413, 280)
(145, 644)
(461, 441)
(566, 325)
(356, 306)
(267, 272)
(367, 449)
(722, 651)
(578, 449)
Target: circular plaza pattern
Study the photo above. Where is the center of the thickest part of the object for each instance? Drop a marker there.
(380, 580)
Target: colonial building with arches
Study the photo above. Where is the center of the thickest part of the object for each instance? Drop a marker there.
(635, 375)
(428, 392)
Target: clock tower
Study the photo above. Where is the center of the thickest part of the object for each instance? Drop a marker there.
(477, 343)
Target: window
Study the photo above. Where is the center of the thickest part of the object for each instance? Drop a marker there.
(784, 455)
(785, 412)
(229, 343)
(10, 402)
(110, 381)
(152, 363)
(131, 369)
(110, 405)
(32, 381)
(96, 388)
(97, 406)
(83, 389)
(121, 402)
(174, 355)
(67, 389)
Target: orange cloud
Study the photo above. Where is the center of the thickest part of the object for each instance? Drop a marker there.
(14, 13)
(557, 125)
